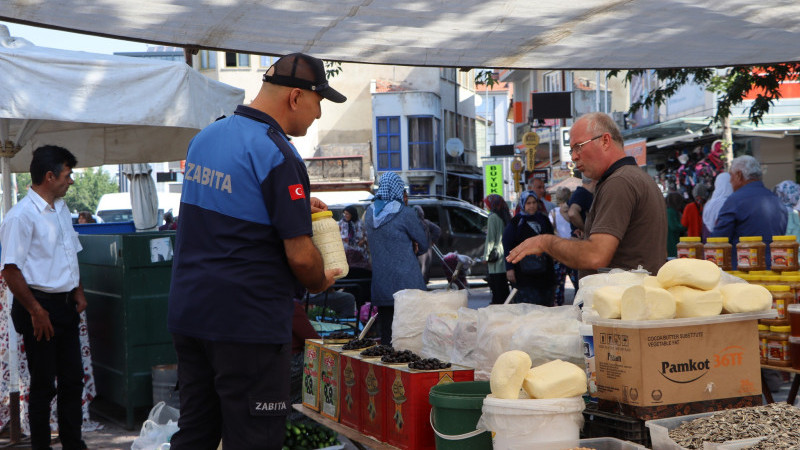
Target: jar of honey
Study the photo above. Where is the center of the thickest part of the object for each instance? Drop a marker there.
(783, 252)
(794, 352)
(690, 247)
(718, 251)
(751, 253)
(781, 297)
(778, 344)
(763, 348)
(793, 311)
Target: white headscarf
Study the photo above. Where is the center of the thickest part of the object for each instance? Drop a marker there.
(722, 190)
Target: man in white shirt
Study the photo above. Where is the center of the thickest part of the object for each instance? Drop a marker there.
(39, 261)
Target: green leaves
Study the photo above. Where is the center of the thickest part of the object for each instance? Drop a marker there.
(89, 186)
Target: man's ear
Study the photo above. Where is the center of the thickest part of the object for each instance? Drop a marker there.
(294, 98)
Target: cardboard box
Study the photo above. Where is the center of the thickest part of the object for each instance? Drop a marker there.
(350, 396)
(311, 359)
(664, 368)
(329, 381)
(408, 410)
(372, 407)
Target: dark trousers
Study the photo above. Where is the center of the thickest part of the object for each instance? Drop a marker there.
(237, 392)
(498, 284)
(536, 295)
(48, 361)
(385, 318)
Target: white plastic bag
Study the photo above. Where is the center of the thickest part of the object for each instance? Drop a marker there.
(411, 310)
(616, 277)
(550, 334)
(495, 326)
(158, 429)
(465, 338)
(437, 338)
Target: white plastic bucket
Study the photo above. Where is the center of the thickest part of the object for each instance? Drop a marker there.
(546, 424)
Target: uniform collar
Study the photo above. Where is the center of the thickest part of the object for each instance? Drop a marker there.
(41, 204)
(624, 161)
(257, 115)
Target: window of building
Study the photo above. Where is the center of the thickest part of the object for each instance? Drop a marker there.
(208, 59)
(266, 61)
(552, 82)
(448, 73)
(388, 136)
(422, 135)
(237, 59)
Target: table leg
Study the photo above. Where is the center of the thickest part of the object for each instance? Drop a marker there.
(765, 390)
(793, 390)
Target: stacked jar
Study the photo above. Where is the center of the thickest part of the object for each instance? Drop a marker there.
(690, 247)
(718, 250)
(751, 253)
(763, 343)
(778, 345)
(783, 253)
(793, 311)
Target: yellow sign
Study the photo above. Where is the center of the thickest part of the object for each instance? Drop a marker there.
(530, 156)
(516, 170)
(493, 179)
(530, 139)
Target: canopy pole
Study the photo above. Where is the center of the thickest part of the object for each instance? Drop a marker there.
(15, 433)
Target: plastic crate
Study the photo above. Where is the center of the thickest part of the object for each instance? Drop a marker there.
(609, 443)
(599, 424)
(660, 428)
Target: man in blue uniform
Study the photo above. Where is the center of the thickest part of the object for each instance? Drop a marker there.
(243, 248)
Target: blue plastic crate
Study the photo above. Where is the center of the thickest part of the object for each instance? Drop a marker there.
(105, 228)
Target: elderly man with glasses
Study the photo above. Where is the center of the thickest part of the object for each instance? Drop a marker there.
(627, 223)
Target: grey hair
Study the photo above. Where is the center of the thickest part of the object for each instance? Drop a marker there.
(562, 195)
(700, 191)
(748, 166)
(600, 123)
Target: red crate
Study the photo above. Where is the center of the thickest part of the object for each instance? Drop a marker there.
(372, 407)
(407, 407)
(350, 396)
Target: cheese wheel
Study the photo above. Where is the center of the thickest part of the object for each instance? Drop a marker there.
(743, 297)
(606, 301)
(508, 373)
(555, 379)
(695, 273)
(696, 303)
(647, 303)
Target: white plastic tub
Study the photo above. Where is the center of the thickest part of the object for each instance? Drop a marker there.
(543, 424)
(659, 434)
(609, 443)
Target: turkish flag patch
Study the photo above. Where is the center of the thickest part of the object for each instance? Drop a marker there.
(296, 192)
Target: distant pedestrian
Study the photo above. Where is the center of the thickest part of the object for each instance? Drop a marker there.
(692, 215)
(169, 222)
(559, 217)
(722, 190)
(85, 217)
(674, 205)
(494, 254)
(434, 232)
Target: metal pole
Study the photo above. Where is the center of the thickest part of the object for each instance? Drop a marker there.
(550, 142)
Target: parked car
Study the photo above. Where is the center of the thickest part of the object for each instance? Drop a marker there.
(463, 227)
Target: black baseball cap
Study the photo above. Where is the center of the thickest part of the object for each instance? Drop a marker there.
(302, 71)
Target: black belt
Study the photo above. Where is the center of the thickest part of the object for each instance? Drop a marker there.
(57, 296)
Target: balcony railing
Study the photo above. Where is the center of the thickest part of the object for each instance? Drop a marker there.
(335, 168)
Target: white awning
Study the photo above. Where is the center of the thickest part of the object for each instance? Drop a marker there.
(587, 34)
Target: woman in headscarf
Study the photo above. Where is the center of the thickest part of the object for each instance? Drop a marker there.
(355, 248)
(789, 193)
(722, 190)
(499, 217)
(534, 276)
(396, 237)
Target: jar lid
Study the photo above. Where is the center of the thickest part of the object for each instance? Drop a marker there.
(794, 307)
(780, 328)
(790, 278)
(750, 239)
(321, 215)
(778, 287)
(690, 239)
(746, 276)
(773, 278)
(762, 327)
(784, 238)
(717, 240)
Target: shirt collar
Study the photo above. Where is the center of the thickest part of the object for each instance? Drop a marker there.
(41, 204)
(259, 116)
(625, 161)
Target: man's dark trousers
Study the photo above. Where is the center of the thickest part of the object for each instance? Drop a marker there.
(60, 358)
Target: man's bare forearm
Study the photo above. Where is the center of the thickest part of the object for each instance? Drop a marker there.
(19, 287)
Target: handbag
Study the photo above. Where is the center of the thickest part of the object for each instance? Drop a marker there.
(494, 256)
(533, 265)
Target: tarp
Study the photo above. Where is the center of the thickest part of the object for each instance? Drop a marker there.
(105, 109)
(144, 200)
(585, 34)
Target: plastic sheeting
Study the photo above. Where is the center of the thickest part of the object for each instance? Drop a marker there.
(546, 34)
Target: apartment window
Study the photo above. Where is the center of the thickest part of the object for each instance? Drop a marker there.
(448, 73)
(552, 82)
(388, 135)
(265, 61)
(208, 59)
(237, 59)
(422, 135)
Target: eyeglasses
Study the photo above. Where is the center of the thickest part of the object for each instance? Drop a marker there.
(576, 149)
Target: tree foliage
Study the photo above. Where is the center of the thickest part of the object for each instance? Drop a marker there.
(731, 88)
(84, 194)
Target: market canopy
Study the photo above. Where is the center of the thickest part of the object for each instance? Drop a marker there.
(556, 34)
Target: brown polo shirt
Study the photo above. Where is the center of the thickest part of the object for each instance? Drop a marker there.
(629, 206)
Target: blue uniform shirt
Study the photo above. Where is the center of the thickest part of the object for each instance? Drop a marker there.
(753, 210)
(245, 189)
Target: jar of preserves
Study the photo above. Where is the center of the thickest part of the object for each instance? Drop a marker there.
(751, 253)
(794, 352)
(793, 311)
(781, 298)
(763, 347)
(778, 344)
(718, 250)
(783, 252)
(328, 241)
(793, 281)
(690, 247)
